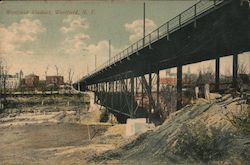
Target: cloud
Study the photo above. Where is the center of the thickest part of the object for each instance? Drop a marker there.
(74, 23)
(13, 36)
(79, 48)
(136, 28)
(74, 45)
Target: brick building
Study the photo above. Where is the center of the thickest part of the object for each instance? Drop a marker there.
(31, 80)
(55, 80)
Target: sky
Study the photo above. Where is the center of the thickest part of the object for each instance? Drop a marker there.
(38, 36)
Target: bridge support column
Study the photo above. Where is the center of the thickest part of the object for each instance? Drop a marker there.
(132, 98)
(115, 86)
(112, 95)
(158, 90)
(142, 92)
(109, 83)
(126, 84)
(150, 90)
(96, 93)
(120, 92)
(179, 87)
(78, 86)
(217, 74)
(235, 71)
(136, 91)
(100, 93)
(106, 94)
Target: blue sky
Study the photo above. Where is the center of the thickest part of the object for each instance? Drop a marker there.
(36, 41)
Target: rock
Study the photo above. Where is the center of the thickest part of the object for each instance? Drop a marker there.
(207, 92)
(214, 96)
(12, 115)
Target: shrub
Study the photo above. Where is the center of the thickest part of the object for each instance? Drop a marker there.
(199, 143)
(241, 120)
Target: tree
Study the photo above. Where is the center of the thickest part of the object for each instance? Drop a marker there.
(3, 82)
(243, 79)
(46, 71)
(57, 70)
(242, 69)
(70, 76)
(206, 76)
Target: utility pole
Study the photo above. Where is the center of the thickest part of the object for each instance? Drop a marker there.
(144, 15)
(87, 69)
(144, 20)
(109, 51)
(95, 61)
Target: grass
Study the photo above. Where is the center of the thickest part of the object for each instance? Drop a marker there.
(202, 144)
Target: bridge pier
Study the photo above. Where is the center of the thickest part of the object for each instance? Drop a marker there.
(112, 95)
(150, 90)
(235, 71)
(132, 97)
(136, 90)
(106, 93)
(115, 86)
(142, 92)
(217, 74)
(158, 89)
(95, 94)
(179, 87)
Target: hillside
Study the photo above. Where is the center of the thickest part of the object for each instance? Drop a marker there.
(215, 131)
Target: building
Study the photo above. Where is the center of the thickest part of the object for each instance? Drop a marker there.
(31, 80)
(55, 80)
(171, 78)
(168, 80)
(11, 81)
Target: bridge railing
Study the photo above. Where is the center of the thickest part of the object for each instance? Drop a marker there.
(164, 30)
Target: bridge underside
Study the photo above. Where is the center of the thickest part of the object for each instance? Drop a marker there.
(221, 31)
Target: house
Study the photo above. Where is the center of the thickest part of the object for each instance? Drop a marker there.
(11, 81)
(31, 80)
(55, 80)
(171, 78)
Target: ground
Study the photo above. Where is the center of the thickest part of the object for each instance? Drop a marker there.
(208, 131)
(62, 131)
(53, 134)
(42, 143)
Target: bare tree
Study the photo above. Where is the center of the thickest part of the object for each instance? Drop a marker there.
(228, 71)
(205, 76)
(46, 71)
(243, 79)
(3, 82)
(168, 100)
(242, 69)
(57, 73)
(70, 75)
